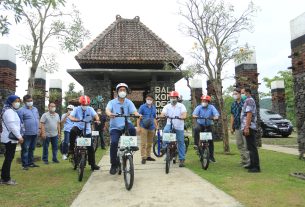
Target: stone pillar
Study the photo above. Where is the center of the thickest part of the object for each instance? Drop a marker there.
(297, 27)
(278, 97)
(217, 128)
(247, 77)
(196, 92)
(7, 76)
(39, 95)
(55, 94)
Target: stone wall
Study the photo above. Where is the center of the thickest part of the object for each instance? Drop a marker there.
(278, 97)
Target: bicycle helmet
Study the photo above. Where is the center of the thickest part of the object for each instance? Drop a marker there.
(206, 97)
(174, 94)
(84, 100)
(121, 85)
(70, 107)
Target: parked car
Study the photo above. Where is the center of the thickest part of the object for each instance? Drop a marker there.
(274, 124)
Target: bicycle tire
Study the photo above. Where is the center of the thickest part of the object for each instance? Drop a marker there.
(75, 159)
(128, 170)
(205, 158)
(157, 148)
(81, 168)
(187, 143)
(95, 143)
(167, 161)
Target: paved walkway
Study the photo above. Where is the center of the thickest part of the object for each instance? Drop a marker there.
(152, 187)
(277, 148)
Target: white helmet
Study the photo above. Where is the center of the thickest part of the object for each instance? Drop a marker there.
(70, 107)
(121, 85)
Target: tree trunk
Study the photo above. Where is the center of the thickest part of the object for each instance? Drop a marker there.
(31, 82)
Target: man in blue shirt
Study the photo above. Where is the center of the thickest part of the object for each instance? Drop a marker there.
(30, 120)
(86, 113)
(119, 105)
(67, 124)
(208, 111)
(146, 127)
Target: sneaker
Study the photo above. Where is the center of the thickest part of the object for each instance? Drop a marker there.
(25, 168)
(212, 159)
(10, 182)
(143, 161)
(181, 164)
(150, 159)
(248, 167)
(95, 167)
(254, 170)
(195, 147)
(64, 157)
(103, 147)
(55, 161)
(33, 165)
(113, 170)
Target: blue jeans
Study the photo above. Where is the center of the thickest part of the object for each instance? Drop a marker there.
(65, 144)
(180, 141)
(115, 135)
(27, 150)
(45, 144)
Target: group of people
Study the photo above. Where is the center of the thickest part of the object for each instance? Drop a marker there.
(23, 126)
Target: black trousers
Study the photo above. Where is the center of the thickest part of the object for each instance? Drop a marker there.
(10, 149)
(251, 145)
(200, 128)
(75, 131)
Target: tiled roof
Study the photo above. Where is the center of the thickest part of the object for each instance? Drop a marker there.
(128, 41)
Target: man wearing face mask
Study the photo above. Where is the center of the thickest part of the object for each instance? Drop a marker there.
(30, 119)
(100, 127)
(208, 111)
(67, 124)
(119, 105)
(86, 113)
(241, 144)
(146, 127)
(176, 109)
(50, 132)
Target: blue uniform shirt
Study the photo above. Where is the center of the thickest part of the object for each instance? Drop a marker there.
(68, 124)
(148, 113)
(29, 119)
(115, 107)
(87, 116)
(205, 112)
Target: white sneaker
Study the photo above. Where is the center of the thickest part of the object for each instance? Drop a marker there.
(64, 157)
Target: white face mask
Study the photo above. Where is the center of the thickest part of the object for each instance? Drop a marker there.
(204, 104)
(53, 109)
(235, 97)
(29, 104)
(99, 112)
(84, 107)
(122, 94)
(173, 101)
(149, 102)
(16, 105)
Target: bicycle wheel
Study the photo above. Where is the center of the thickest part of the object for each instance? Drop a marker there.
(119, 164)
(157, 149)
(75, 159)
(204, 157)
(167, 160)
(81, 168)
(128, 171)
(187, 143)
(95, 143)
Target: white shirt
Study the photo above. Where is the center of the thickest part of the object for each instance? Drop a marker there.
(172, 111)
(12, 124)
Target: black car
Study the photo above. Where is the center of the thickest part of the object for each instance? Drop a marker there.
(274, 124)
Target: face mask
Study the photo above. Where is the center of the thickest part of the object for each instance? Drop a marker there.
(84, 108)
(122, 94)
(173, 101)
(235, 97)
(243, 97)
(204, 104)
(99, 112)
(29, 104)
(16, 105)
(53, 109)
(149, 102)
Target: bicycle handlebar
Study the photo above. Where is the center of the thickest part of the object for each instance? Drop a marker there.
(123, 115)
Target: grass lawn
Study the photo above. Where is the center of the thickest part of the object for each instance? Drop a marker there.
(47, 185)
(272, 187)
(290, 141)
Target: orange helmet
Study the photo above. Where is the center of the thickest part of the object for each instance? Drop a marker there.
(173, 94)
(206, 97)
(84, 100)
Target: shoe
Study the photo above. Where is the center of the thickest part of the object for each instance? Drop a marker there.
(113, 170)
(33, 165)
(103, 147)
(10, 182)
(55, 161)
(181, 164)
(46, 162)
(254, 170)
(248, 167)
(162, 150)
(212, 159)
(95, 167)
(195, 147)
(150, 159)
(143, 161)
(25, 168)
(64, 157)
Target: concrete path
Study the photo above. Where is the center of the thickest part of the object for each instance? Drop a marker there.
(277, 148)
(152, 187)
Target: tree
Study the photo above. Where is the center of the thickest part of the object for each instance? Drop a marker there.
(47, 21)
(215, 29)
(71, 94)
(285, 75)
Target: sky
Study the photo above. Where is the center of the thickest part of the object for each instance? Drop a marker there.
(271, 37)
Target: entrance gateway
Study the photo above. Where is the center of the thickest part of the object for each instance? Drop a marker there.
(129, 52)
